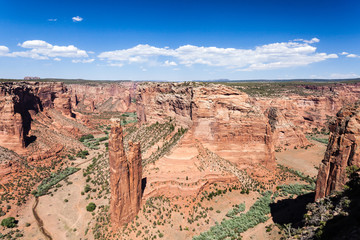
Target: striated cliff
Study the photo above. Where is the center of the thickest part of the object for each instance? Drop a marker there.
(292, 115)
(220, 118)
(103, 97)
(342, 151)
(125, 178)
(20, 102)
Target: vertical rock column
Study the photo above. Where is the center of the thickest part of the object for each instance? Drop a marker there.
(125, 178)
(343, 150)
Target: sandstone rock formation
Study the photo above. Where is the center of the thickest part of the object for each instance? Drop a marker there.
(125, 178)
(20, 102)
(103, 97)
(220, 117)
(343, 150)
(298, 114)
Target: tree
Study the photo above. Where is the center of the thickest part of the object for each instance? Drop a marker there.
(9, 222)
(90, 207)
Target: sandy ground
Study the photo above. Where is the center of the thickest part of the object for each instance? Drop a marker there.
(62, 219)
(303, 160)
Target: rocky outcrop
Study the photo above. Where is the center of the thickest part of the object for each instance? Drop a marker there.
(221, 118)
(20, 102)
(342, 151)
(229, 125)
(103, 97)
(298, 114)
(125, 178)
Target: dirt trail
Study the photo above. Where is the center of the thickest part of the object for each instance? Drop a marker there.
(40, 222)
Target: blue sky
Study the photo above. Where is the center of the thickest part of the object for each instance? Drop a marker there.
(180, 40)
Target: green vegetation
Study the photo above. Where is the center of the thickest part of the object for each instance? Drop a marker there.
(166, 147)
(231, 228)
(236, 210)
(302, 176)
(336, 216)
(82, 154)
(279, 88)
(53, 180)
(295, 189)
(9, 222)
(90, 207)
(86, 137)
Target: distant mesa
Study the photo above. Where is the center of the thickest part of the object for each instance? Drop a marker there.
(31, 78)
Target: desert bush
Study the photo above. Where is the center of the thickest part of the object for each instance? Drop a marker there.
(9, 222)
(90, 207)
(85, 137)
(54, 179)
(231, 228)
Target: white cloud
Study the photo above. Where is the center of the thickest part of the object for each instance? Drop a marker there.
(83, 60)
(313, 40)
(77, 19)
(352, 55)
(39, 49)
(45, 50)
(170, 63)
(270, 56)
(344, 53)
(3, 50)
(52, 19)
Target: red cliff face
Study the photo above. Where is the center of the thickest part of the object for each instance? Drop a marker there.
(104, 97)
(292, 115)
(20, 102)
(125, 178)
(342, 151)
(220, 117)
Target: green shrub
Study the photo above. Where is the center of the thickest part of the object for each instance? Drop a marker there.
(231, 228)
(9, 222)
(82, 154)
(85, 137)
(90, 207)
(54, 179)
(87, 188)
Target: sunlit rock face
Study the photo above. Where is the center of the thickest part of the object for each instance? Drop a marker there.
(125, 178)
(21, 101)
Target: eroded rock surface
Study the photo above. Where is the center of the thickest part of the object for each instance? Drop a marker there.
(20, 102)
(125, 178)
(342, 151)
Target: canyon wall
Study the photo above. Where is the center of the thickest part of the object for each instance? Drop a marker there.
(103, 97)
(19, 104)
(293, 115)
(125, 178)
(342, 151)
(220, 117)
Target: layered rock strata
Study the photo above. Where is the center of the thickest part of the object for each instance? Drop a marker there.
(221, 118)
(20, 102)
(343, 151)
(125, 177)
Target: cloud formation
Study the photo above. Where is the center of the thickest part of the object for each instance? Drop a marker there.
(52, 19)
(77, 19)
(299, 52)
(83, 60)
(39, 49)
